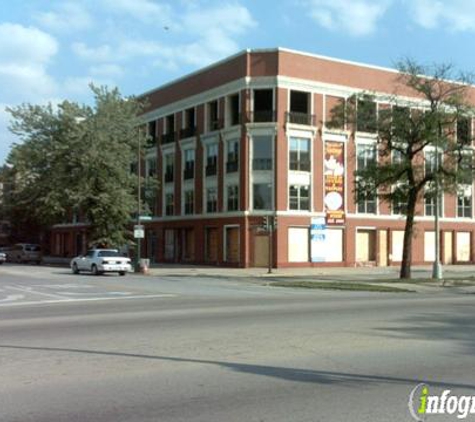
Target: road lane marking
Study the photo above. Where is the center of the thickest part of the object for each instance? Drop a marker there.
(99, 293)
(11, 298)
(34, 292)
(93, 299)
(64, 286)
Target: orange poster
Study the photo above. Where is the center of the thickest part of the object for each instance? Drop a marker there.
(334, 175)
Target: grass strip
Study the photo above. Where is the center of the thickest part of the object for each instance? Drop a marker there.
(362, 287)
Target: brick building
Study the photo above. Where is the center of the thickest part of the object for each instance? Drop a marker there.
(246, 138)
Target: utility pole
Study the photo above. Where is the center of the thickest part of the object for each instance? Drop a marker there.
(437, 268)
(139, 171)
(270, 231)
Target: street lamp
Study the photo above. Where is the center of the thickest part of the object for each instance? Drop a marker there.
(139, 200)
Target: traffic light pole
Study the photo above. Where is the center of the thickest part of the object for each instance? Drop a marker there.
(271, 241)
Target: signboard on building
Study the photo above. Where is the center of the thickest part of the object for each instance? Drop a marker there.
(317, 239)
(334, 174)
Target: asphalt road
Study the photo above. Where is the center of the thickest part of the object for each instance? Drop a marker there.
(112, 349)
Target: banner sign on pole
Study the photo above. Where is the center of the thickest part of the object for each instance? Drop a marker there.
(334, 175)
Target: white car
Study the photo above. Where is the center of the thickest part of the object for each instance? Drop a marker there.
(100, 261)
(3, 257)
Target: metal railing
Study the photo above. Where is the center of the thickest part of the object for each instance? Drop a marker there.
(232, 166)
(300, 118)
(168, 138)
(262, 116)
(262, 164)
(187, 132)
(211, 169)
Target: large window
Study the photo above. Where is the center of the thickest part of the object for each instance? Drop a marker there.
(189, 171)
(232, 162)
(366, 157)
(169, 167)
(432, 158)
(211, 200)
(262, 152)
(233, 115)
(169, 204)
(464, 130)
(211, 159)
(299, 159)
(299, 197)
(263, 105)
(366, 116)
(262, 196)
(189, 128)
(399, 199)
(233, 198)
(430, 201)
(189, 202)
(213, 121)
(464, 201)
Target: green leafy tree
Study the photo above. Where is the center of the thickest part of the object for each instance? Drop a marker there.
(423, 140)
(75, 159)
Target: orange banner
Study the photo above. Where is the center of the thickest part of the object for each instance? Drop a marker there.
(334, 175)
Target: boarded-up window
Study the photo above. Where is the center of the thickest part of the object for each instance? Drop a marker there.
(232, 244)
(463, 247)
(169, 244)
(334, 242)
(397, 239)
(298, 244)
(366, 245)
(211, 244)
(429, 246)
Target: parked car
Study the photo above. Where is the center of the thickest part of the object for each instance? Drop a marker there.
(3, 257)
(99, 261)
(25, 252)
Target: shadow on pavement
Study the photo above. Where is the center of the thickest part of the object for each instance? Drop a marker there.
(287, 374)
(457, 329)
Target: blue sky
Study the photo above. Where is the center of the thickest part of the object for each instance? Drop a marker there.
(50, 50)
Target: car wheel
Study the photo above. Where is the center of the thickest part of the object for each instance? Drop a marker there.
(121, 272)
(75, 269)
(94, 269)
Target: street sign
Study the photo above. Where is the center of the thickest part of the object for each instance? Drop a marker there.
(145, 218)
(139, 232)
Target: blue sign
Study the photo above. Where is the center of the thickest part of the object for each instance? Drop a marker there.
(317, 239)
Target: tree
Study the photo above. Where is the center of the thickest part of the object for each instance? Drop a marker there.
(423, 141)
(75, 160)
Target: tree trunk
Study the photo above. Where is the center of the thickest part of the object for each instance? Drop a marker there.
(405, 271)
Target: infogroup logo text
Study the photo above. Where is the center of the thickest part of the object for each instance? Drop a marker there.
(422, 403)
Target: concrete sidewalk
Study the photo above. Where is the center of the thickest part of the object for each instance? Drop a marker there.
(333, 273)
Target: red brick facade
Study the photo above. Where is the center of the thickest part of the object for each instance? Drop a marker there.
(235, 238)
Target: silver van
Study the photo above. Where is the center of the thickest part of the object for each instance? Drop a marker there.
(25, 252)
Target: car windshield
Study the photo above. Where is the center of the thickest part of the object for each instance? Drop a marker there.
(108, 254)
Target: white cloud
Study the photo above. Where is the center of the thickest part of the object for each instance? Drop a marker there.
(144, 10)
(66, 17)
(357, 17)
(199, 35)
(107, 71)
(25, 53)
(103, 53)
(453, 15)
(230, 19)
